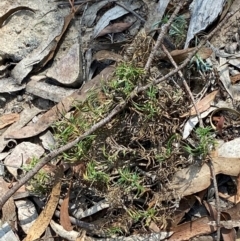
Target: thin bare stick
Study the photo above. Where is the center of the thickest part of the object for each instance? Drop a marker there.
(184, 83)
(62, 149)
(186, 61)
(131, 11)
(213, 173)
(165, 28)
(104, 121)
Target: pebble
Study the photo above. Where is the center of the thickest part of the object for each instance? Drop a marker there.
(19, 98)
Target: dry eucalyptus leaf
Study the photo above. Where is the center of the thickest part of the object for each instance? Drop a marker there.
(68, 69)
(202, 15)
(193, 120)
(203, 104)
(230, 149)
(8, 210)
(9, 85)
(225, 78)
(79, 214)
(235, 62)
(235, 78)
(91, 12)
(155, 13)
(233, 199)
(55, 42)
(222, 36)
(110, 15)
(233, 90)
(42, 55)
(7, 119)
(12, 11)
(40, 225)
(74, 236)
(64, 214)
(27, 214)
(233, 212)
(185, 205)
(229, 224)
(180, 55)
(153, 227)
(62, 107)
(114, 28)
(69, 235)
(228, 234)
(105, 54)
(196, 178)
(188, 230)
(7, 234)
(20, 155)
(25, 66)
(25, 117)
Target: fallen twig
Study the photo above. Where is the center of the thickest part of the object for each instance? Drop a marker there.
(213, 173)
(131, 11)
(104, 121)
(184, 83)
(163, 32)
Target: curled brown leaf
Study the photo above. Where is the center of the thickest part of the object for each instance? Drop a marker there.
(64, 214)
(8, 119)
(4, 17)
(114, 28)
(203, 104)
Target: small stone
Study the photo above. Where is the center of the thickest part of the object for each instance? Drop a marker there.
(2, 99)
(19, 98)
(235, 131)
(18, 30)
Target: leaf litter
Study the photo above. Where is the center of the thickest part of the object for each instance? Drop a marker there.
(142, 174)
(41, 223)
